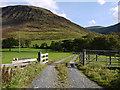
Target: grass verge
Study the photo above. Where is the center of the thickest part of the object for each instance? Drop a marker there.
(103, 76)
(23, 77)
(62, 75)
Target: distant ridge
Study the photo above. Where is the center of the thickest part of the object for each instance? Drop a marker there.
(105, 30)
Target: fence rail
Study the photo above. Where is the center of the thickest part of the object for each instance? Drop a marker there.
(42, 58)
(85, 56)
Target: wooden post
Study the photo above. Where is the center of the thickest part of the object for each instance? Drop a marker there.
(39, 56)
(88, 57)
(110, 60)
(84, 57)
(96, 57)
(80, 57)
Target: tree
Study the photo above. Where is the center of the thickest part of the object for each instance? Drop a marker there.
(36, 46)
(27, 43)
(44, 46)
(80, 44)
(52, 45)
(58, 46)
(22, 42)
(67, 45)
(9, 43)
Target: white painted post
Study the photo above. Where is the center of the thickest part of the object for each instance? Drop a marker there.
(13, 59)
(17, 59)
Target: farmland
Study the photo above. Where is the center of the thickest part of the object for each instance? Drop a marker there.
(7, 56)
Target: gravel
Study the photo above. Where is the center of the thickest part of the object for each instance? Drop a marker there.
(78, 80)
(46, 79)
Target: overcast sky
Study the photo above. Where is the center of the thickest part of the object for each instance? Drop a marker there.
(87, 13)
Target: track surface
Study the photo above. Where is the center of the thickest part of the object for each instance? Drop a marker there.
(76, 79)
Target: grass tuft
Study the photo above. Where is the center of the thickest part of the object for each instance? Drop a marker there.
(62, 75)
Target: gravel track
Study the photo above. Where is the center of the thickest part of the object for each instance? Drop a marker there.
(76, 79)
(46, 79)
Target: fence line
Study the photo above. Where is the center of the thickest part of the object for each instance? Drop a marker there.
(83, 55)
(42, 58)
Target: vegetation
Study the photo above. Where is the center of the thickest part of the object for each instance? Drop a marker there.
(102, 42)
(21, 78)
(103, 76)
(9, 43)
(62, 75)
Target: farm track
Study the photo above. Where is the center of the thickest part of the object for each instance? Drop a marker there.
(48, 78)
(78, 80)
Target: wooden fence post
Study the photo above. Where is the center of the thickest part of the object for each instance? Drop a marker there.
(84, 57)
(39, 56)
(110, 60)
(88, 57)
(96, 57)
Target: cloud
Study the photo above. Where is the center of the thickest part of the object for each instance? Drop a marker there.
(115, 12)
(92, 22)
(48, 4)
(60, 14)
(101, 2)
(3, 4)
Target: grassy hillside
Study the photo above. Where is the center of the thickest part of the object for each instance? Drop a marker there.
(105, 30)
(38, 24)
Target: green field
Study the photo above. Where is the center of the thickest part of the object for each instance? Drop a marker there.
(53, 56)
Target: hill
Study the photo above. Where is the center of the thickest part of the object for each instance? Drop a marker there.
(94, 27)
(38, 24)
(105, 30)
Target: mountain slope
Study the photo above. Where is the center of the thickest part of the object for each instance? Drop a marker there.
(94, 27)
(37, 23)
(105, 30)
